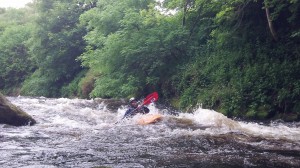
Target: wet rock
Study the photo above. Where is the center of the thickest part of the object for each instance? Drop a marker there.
(111, 104)
(12, 115)
(287, 117)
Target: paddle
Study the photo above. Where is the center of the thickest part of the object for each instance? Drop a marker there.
(149, 99)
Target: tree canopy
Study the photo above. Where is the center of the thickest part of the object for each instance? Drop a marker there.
(239, 57)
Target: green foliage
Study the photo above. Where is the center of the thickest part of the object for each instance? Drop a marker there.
(242, 84)
(86, 83)
(15, 61)
(134, 51)
(218, 54)
(73, 89)
(240, 71)
(56, 43)
(11, 16)
(39, 85)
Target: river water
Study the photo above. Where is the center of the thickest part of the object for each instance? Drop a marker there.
(81, 133)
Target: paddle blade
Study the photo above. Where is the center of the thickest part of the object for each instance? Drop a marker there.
(151, 98)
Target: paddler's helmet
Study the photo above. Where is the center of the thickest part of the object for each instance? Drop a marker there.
(132, 99)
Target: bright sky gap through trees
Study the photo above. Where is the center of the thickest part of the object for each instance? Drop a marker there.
(13, 3)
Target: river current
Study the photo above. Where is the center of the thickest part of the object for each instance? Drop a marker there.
(81, 133)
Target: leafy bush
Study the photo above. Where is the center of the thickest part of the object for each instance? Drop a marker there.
(39, 85)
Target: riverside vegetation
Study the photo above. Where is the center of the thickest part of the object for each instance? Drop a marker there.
(238, 57)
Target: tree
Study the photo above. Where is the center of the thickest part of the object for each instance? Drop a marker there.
(15, 61)
(133, 51)
(55, 45)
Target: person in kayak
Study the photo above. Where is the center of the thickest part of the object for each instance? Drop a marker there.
(135, 109)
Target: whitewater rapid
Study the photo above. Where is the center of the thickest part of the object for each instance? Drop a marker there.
(83, 133)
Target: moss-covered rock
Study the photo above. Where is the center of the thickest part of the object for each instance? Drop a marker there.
(12, 115)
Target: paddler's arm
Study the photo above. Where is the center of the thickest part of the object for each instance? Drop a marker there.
(128, 113)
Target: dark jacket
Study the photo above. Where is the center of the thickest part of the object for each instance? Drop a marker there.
(133, 111)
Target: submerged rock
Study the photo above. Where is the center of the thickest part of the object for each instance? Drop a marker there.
(111, 104)
(12, 115)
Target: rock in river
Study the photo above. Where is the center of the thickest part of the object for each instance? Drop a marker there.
(12, 115)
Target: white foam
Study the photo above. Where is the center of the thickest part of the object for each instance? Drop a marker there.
(76, 113)
(273, 132)
(57, 120)
(211, 118)
(219, 123)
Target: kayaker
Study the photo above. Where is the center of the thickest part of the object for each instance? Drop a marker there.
(135, 109)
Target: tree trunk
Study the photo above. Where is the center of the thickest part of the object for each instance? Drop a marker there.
(270, 23)
(184, 12)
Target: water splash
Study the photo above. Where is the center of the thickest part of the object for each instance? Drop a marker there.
(80, 133)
